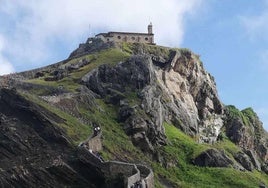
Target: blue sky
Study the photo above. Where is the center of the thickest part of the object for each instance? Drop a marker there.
(230, 36)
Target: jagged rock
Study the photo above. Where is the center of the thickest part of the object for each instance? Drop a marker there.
(244, 160)
(135, 124)
(168, 85)
(140, 139)
(245, 129)
(76, 66)
(254, 159)
(36, 152)
(39, 74)
(125, 112)
(213, 158)
(91, 45)
(236, 131)
(59, 74)
(262, 149)
(264, 167)
(134, 74)
(172, 87)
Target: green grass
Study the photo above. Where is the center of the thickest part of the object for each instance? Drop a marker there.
(182, 148)
(71, 82)
(235, 113)
(116, 143)
(76, 130)
(127, 47)
(249, 113)
(68, 83)
(110, 57)
(178, 142)
(228, 146)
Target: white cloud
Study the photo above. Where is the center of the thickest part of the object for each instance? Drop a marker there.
(38, 24)
(5, 66)
(256, 26)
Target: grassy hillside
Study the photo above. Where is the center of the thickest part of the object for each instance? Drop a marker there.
(176, 169)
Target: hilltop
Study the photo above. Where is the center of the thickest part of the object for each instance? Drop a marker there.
(157, 107)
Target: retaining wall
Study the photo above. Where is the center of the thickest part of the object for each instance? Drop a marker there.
(130, 171)
(88, 157)
(133, 174)
(147, 174)
(94, 142)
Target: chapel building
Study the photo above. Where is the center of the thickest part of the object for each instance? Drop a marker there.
(146, 38)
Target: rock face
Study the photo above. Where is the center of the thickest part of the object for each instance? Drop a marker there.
(244, 160)
(33, 151)
(213, 158)
(245, 129)
(91, 45)
(155, 85)
(171, 86)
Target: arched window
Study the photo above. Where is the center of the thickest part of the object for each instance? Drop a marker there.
(119, 37)
(146, 38)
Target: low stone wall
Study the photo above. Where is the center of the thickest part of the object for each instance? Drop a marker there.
(147, 174)
(85, 155)
(134, 175)
(129, 170)
(94, 142)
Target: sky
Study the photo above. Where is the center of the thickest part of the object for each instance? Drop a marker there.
(230, 36)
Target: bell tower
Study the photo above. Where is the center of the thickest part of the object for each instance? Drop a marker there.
(150, 28)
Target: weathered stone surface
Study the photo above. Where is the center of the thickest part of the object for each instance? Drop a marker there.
(244, 160)
(254, 160)
(91, 45)
(213, 158)
(264, 167)
(134, 74)
(173, 87)
(154, 86)
(247, 132)
(125, 112)
(36, 152)
(236, 131)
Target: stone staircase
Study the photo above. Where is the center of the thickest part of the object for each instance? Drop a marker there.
(135, 175)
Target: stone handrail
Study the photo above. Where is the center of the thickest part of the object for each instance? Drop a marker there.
(129, 170)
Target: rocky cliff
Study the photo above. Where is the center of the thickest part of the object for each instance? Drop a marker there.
(156, 105)
(36, 152)
(172, 87)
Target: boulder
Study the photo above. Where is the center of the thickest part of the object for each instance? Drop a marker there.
(254, 160)
(244, 160)
(125, 112)
(264, 168)
(213, 158)
(141, 140)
